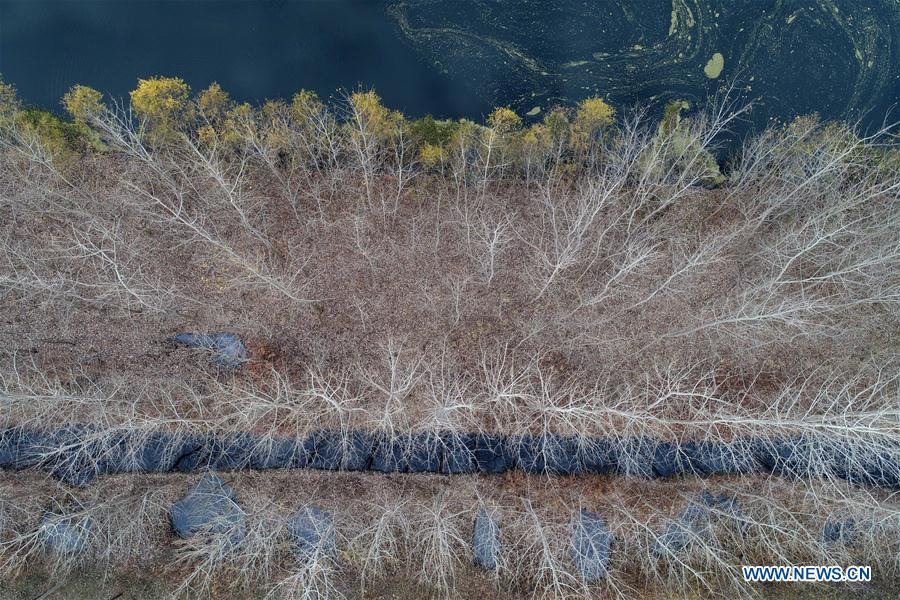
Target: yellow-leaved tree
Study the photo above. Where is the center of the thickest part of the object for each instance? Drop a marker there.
(163, 103)
(592, 118)
(537, 141)
(9, 102)
(239, 125)
(499, 142)
(504, 120)
(212, 104)
(375, 134)
(372, 117)
(305, 106)
(84, 103)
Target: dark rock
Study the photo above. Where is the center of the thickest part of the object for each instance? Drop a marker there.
(847, 461)
(230, 453)
(668, 460)
(485, 541)
(117, 453)
(690, 524)
(591, 546)
(229, 351)
(783, 456)
(65, 534)
(417, 453)
(210, 507)
(881, 469)
(675, 537)
(530, 454)
(29, 448)
(861, 464)
(277, 453)
(694, 521)
(388, 455)
(233, 452)
(359, 447)
(491, 453)
(161, 451)
(72, 454)
(458, 453)
(636, 457)
(9, 447)
(425, 453)
(840, 532)
(561, 455)
(312, 533)
(726, 505)
(599, 455)
(194, 453)
(717, 458)
(21, 448)
(323, 450)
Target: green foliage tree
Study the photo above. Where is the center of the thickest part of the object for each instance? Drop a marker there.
(434, 132)
(62, 140)
(433, 137)
(677, 147)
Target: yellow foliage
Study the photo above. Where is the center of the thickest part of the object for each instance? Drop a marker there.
(504, 120)
(372, 116)
(238, 123)
(593, 115)
(9, 101)
(82, 102)
(677, 146)
(305, 105)
(275, 111)
(213, 103)
(431, 155)
(537, 137)
(160, 97)
(464, 135)
(276, 116)
(672, 116)
(558, 123)
(163, 101)
(61, 140)
(206, 134)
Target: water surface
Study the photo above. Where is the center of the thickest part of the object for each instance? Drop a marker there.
(461, 57)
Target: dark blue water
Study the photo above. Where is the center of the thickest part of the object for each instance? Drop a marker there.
(461, 57)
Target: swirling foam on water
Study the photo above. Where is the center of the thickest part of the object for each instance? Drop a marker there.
(838, 58)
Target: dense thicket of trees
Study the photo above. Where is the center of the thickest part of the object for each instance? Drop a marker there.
(589, 275)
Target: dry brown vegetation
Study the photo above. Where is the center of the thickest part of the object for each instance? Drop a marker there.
(417, 528)
(601, 288)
